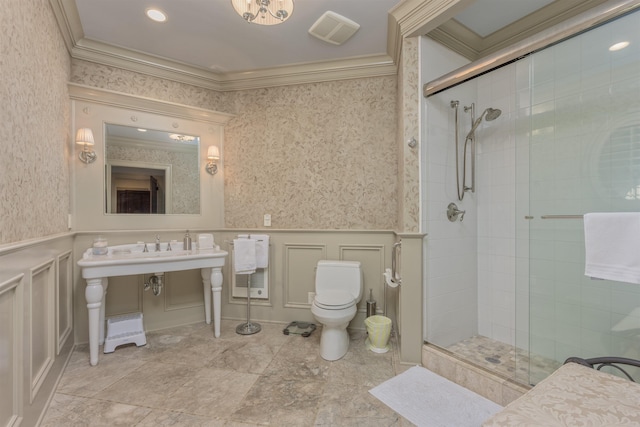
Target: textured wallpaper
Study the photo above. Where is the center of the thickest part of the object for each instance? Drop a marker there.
(34, 131)
(117, 79)
(410, 176)
(314, 156)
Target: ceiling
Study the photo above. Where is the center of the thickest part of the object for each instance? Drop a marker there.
(210, 40)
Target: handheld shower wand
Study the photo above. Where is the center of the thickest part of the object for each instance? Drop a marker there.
(489, 115)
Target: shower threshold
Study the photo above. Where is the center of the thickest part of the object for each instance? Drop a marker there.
(504, 359)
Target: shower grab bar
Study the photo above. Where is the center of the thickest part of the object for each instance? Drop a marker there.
(395, 277)
(561, 216)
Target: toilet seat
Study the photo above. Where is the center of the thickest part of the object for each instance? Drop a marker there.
(334, 300)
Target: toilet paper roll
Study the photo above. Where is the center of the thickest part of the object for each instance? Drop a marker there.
(388, 279)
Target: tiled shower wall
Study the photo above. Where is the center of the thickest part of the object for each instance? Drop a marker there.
(472, 263)
(450, 248)
(566, 144)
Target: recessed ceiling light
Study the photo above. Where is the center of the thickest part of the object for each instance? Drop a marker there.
(618, 46)
(141, 130)
(156, 15)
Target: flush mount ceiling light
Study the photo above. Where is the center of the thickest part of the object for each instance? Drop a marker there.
(264, 12)
(156, 15)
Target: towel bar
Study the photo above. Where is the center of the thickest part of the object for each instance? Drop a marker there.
(561, 216)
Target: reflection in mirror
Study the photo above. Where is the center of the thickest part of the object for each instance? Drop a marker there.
(151, 172)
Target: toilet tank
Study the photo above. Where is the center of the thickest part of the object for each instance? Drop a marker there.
(339, 275)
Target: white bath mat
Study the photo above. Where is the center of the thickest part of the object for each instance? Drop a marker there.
(429, 400)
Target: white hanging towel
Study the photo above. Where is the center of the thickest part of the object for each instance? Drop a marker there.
(244, 256)
(612, 246)
(262, 250)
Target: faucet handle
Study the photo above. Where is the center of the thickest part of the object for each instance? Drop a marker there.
(146, 249)
(453, 213)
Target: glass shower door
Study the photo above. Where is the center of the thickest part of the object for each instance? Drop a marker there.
(584, 156)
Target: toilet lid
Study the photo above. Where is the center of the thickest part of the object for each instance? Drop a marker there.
(334, 300)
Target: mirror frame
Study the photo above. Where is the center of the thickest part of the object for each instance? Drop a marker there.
(94, 108)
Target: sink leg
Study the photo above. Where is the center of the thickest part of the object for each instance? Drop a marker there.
(216, 289)
(102, 325)
(206, 283)
(94, 294)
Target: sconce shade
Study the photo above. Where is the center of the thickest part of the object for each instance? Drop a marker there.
(84, 136)
(213, 153)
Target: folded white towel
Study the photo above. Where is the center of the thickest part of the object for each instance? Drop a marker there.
(244, 256)
(612, 246)
(205, 241)
(262, 250)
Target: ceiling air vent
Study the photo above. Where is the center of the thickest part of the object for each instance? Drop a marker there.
(333, 28)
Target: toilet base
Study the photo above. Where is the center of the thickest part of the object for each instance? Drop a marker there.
(334, 342)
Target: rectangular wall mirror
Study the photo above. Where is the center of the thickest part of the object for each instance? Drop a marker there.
(151, 172)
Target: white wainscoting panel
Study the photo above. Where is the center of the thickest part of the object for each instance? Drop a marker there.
(64, 295)
(42, 326)
(299, 272)
(371, 258)
(11, 352)
(183, 289)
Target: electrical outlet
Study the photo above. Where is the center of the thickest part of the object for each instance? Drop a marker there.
(310, 297)
(267, 220)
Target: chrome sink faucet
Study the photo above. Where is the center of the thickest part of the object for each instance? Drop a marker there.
(157, 243)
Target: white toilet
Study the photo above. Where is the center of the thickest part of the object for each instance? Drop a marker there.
(338, 291)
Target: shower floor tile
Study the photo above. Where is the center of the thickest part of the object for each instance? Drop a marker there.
(504, 359)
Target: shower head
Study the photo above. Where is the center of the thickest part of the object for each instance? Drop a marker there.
(489, 114)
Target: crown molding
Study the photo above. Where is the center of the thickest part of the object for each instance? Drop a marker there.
(568, 27)
(85, 49)
(536, 22)
(458, 38)
(148, 105)
(312, 72)
(66, 14)
(140, 62)
(394, 38)
(467, 43)
(418, 17)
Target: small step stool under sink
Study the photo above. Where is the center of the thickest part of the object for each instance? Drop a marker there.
(124, 330)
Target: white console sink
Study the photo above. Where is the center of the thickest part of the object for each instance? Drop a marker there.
(125, 260)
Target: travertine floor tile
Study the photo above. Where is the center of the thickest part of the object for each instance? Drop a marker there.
(186, 377)
(67, 410)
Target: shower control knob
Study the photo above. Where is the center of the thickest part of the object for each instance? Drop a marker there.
(453, 213)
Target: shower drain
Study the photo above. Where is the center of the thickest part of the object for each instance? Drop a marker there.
(493, 360)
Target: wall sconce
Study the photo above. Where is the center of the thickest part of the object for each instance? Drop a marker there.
(84, 137)
(213, 154)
